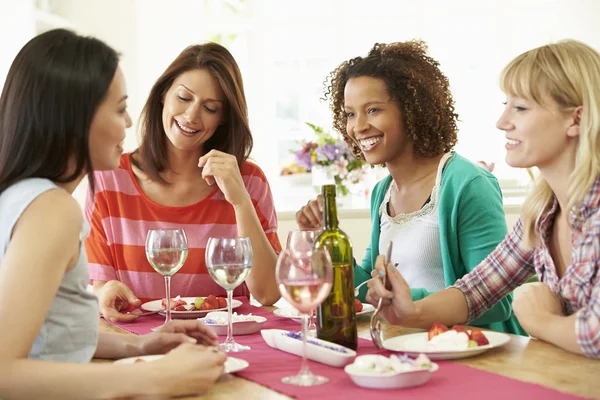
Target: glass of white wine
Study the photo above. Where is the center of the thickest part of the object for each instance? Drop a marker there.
(305, 280)
(229, 260)
(166, 251)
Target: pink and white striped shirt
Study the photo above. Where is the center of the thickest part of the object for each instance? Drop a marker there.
(120, 215)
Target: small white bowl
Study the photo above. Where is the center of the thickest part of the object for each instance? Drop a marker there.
(389, 380)
(278, 339)
(239, 327)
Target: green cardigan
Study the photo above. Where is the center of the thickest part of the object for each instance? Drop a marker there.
(472, 223)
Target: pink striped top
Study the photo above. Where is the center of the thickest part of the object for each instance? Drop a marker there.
(120, 215)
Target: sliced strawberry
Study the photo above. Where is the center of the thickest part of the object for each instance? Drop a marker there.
(435, 330)
(359, 305)
(460, 328)
(176, 302)
(478, 336)
(222, 302)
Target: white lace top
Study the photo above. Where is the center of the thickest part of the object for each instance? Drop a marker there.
(416, 237)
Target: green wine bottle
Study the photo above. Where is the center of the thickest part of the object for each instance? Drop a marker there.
(336, 316)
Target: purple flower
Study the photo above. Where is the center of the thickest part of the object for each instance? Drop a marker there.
(328, 152)
(303, 159)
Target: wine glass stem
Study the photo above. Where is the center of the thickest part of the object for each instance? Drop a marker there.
(312, 328)
(229, 318)
(304, 370)
(168, 301)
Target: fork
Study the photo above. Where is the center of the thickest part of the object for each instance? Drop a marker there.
(357, 289)
(375, 324)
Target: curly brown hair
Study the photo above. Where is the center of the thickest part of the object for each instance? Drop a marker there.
(414, 80)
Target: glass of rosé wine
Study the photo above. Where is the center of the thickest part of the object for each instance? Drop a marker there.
(304, 280)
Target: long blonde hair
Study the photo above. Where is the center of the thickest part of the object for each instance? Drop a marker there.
(568, 71)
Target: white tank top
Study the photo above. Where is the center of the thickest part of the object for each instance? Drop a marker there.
(416, 237)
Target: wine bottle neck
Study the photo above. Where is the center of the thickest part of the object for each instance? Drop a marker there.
(330, 217)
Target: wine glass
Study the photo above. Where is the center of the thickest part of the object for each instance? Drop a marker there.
(304, 281)
(302, 241)
(229, 260)
(166, 251)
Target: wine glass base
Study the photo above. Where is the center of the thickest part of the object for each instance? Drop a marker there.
(305, 380)
(233, 347)
(157, 328)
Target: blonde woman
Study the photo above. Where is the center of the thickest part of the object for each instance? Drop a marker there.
(552, 122)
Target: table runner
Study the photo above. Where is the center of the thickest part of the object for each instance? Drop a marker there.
(268, 366)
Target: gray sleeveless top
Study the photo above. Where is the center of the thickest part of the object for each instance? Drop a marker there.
(70, 329)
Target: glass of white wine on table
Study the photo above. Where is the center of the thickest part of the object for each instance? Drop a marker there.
(229, 261)
(304, 280)
(166, 251)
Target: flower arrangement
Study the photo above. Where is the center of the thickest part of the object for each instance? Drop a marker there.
(332, 154)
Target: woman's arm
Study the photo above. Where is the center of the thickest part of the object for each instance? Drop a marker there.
(113, 295)
(54, 220)
(481, 226)
(248, 199)
(507, 267)
(261, 281)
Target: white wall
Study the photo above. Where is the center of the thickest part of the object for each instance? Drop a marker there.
(16, 28)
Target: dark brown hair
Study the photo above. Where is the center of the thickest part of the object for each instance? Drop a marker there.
(53, 89)
(414, 80)
(232, 137)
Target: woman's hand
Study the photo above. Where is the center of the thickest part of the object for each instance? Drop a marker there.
(188, 369)
(311, 215)
(397, 305)
(532, 304)
(115, 297)
(222, 169)
(175, 333)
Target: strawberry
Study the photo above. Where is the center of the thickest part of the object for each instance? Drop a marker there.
(222, 302)
(478, 336)
(460, 328)
(206, 306)
(435, 330)
(176, 302)
(180, 308)
(212, 300)
(359, 305)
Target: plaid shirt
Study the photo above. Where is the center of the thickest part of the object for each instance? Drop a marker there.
(512, 263)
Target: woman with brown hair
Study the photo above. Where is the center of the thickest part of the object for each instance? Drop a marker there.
(443, 213)
(190, 171)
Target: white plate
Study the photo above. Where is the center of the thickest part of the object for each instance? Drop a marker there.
(390, 380)
(156, 305)
(291, 312)
(239, 327)
(416, 343)
(231, 364)
(277, 339)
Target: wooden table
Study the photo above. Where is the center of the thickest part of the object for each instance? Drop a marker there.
(525, 359)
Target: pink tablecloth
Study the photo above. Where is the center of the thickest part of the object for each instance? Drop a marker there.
(451, 381)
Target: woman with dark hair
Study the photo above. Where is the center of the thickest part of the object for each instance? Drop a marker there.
(191, 171)
(443, 213)
(63, 114)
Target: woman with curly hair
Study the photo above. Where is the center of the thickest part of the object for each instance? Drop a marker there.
(551, 121)
(443, 213)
